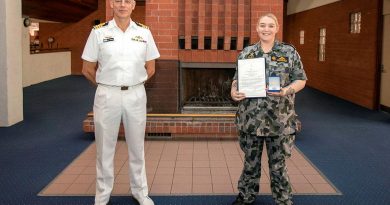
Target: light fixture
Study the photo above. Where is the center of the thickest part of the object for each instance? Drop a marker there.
(27, 22)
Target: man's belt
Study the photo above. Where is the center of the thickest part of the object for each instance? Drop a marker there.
(122, 87)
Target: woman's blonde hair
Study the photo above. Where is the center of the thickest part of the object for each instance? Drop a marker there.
(270, 15)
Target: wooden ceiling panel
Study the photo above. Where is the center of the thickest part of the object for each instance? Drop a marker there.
(66, 11)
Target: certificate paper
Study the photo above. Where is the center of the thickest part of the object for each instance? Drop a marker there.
(251, 77)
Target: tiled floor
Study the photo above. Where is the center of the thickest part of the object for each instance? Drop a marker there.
(198, 167)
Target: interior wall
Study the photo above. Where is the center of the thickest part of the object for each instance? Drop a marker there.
(350, 70)
(296, 6)
(73, 35)
(385, 75)
(41, 67)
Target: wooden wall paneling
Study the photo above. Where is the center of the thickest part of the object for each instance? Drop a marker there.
(350, 70)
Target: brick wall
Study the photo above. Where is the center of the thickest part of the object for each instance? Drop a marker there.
(162, 17)
(350, 70)
(259, 7)
(221, 18)
(163, 88)
(170, 19)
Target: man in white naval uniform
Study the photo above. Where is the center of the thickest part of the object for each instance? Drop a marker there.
(124, 52)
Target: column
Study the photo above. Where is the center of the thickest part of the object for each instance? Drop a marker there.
(214, 26)
(11, 88)
(188, 23)
(201, 24)
(228, 24)
(240, 24)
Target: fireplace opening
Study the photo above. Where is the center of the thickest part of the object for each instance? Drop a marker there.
(206, 89)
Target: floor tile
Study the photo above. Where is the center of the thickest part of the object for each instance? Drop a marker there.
(198, 167)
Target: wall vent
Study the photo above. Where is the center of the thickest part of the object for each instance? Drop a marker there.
(159, 135)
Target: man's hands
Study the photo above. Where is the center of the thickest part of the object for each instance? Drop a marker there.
(89, 71)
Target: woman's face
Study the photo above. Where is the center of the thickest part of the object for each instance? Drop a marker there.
(267, 29)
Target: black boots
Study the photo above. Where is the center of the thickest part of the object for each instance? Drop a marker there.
(240, 201)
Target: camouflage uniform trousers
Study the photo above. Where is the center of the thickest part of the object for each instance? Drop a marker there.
(278, 150)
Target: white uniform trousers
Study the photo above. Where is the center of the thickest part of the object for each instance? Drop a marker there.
(112, 105)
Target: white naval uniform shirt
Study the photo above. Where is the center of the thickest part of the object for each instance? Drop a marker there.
(121, 56)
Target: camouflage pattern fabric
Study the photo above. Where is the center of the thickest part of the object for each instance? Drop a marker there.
(271, 115)
(272, 120)
(278, 150)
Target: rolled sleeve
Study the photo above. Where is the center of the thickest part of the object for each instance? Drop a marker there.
(297, 73)
(152, 51)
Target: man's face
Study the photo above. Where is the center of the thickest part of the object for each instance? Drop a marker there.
(122, 8)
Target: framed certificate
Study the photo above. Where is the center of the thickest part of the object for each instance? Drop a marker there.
(251, 77)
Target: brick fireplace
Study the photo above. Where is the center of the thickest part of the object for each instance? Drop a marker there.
(198, 42)
(205, 88)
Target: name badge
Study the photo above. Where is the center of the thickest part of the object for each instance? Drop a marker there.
(107, 39)
(274, 84)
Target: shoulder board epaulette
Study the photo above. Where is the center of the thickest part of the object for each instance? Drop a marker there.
(141, 25)
(287, 44)
(248, 46)
(100, 25)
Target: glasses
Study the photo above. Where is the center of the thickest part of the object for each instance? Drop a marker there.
(124, 1)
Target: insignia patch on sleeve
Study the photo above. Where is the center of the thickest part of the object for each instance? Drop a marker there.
(141, 25)
(250, 55)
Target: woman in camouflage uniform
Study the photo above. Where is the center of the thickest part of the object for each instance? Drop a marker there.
(271, 119)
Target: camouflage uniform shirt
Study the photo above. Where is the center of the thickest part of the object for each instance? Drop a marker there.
(271, 115)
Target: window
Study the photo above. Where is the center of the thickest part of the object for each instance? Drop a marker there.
(355, 22)
(233, 43)
(207, 42)
(302, 37)
(321, 48)
(220, 43)
(182, 42)
(246, 41)
(194, 42)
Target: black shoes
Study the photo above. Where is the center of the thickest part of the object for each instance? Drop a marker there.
(240, 201)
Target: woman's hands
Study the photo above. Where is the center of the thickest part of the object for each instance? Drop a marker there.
(288, 90)
(283, 92)
(293, 88)
(236, 96)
